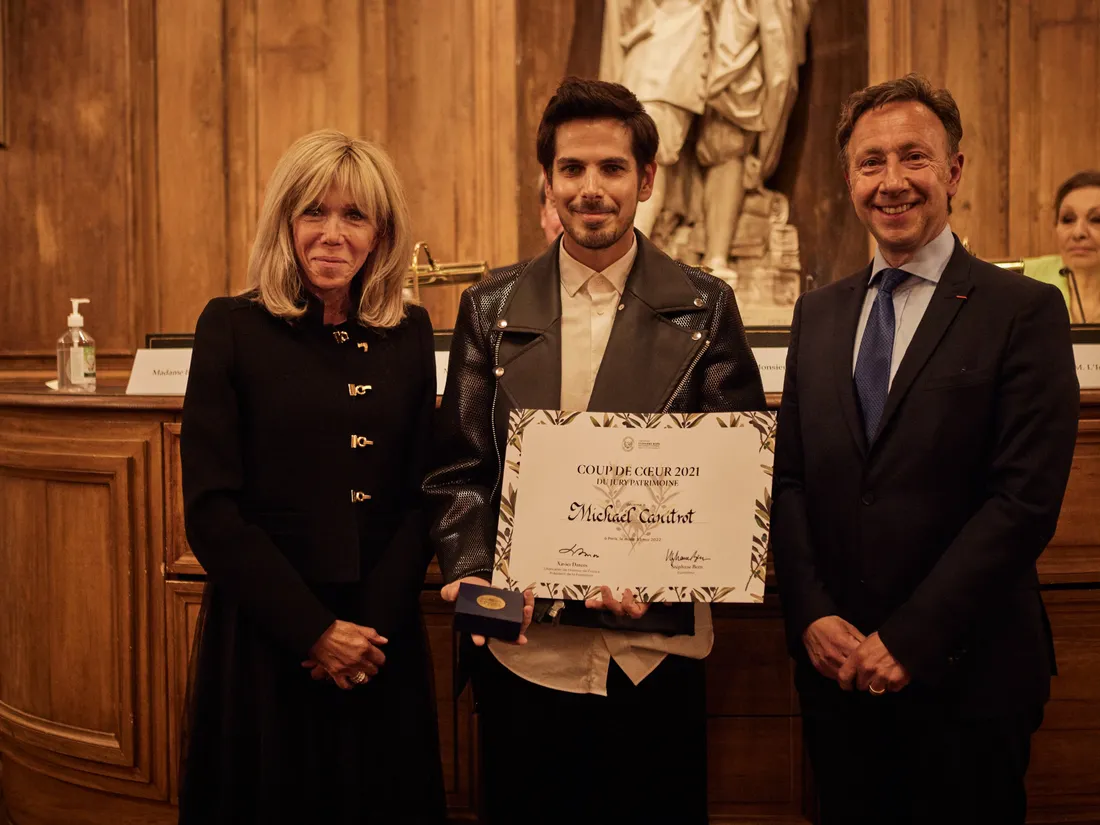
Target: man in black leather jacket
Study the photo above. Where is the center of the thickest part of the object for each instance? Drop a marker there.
(603, 321)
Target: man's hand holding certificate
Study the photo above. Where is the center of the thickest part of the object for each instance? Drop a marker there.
(673, 507)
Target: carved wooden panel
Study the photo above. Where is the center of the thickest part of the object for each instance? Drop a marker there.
(177, 552)
(81, 658)
(1074, 552)
(1063, 776)
(183, 602)
(457, 737)
(748, 671)
(754, 768)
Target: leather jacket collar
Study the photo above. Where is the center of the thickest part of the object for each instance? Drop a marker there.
(646, 353)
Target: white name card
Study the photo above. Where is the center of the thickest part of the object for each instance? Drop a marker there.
(772, 362)
(159, 372)
(1088, 365)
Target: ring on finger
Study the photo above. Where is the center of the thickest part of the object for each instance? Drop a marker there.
(358, 678)
(876, 692)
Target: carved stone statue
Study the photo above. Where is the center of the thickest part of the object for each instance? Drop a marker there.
(719, 78)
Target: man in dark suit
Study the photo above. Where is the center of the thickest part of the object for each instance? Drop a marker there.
(602, 320)
(925, 437)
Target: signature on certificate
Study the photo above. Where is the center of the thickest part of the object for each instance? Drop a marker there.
(677, 560)
(578, 551)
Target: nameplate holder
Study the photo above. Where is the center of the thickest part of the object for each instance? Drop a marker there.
(1088, 365)
(159, 372)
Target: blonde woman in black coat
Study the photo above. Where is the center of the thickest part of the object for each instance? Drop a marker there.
(304, 437)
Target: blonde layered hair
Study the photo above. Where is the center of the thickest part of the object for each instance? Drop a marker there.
(301, 178)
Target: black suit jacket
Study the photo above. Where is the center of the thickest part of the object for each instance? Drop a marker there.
(929, 535)
(677, 345)
(269, 470)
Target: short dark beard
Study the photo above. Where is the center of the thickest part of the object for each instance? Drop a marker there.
(600, 239)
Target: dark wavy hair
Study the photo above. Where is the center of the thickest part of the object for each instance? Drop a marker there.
(581, 99)
(1088, 177)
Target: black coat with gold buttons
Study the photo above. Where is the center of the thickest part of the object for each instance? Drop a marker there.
(303, 447)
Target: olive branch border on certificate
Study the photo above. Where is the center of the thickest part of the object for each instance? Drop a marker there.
(519, 420)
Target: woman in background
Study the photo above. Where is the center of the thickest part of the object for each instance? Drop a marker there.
(304, 438)
(1077, 229)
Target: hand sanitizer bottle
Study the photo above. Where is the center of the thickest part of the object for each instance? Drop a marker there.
(76, 355)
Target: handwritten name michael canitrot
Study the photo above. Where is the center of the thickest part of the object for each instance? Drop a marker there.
(627, 515)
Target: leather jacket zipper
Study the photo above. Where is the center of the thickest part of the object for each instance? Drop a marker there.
(493, 413)
(687, 375)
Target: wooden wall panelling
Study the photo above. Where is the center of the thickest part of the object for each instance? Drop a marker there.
(77, 220)
(1063, 778)
(1023, 74)
(1074, 552)
(749, 672)
(241, 140)
(142, 272)
(183, 600)
(754, 769)
(36, 798)
(178, 556)
(544, 32)
(191, 156)
(459, 754)
(964, 47)
(81, 695)
(428, 115)
(1054, 73)
(450, 126)
(755, 764)
(490, 204)
(3, 76)
(306, 72)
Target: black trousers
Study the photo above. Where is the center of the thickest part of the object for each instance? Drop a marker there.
(553, 757)
(882, 760)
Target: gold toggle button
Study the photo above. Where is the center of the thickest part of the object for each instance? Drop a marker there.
(695, 336)
(358, 389)
(360, 441)
(340, 336)
(357, 496)
(699, 302)
(502, 323)
(499, 371)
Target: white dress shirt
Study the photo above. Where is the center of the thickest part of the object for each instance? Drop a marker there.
(576, 659)
(911, 297)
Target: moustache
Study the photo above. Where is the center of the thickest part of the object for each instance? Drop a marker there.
(591, 210)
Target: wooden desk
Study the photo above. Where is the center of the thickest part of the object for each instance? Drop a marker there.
(99, 593)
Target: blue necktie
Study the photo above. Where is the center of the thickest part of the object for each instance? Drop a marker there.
(872, 375)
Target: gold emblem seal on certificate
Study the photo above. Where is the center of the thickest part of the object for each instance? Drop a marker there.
(490, 602)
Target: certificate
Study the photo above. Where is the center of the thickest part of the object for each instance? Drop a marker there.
(674, 506)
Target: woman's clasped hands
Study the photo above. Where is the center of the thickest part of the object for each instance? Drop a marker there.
(347, 653)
